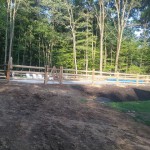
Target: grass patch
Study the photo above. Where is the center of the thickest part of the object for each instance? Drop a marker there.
(82, 100)
(139, 110)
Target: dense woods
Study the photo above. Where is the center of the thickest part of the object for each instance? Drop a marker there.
(105, 35)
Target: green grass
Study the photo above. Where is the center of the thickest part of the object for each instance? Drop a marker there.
(140, 110)
(82, 100)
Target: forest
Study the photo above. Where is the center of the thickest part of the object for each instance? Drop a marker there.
(105, 35)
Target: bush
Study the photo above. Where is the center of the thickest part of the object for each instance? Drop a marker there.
(134, 69)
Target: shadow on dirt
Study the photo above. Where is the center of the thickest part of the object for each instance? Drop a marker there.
(142, 94)
(115, 93)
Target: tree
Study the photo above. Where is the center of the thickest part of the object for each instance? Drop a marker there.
(77, 34)
(123, 9)
(101, 15)
(12, 7)
(72, 26)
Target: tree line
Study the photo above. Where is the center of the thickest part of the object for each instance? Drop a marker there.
(105, 35)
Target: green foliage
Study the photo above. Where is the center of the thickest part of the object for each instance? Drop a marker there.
(134, 69)
(83, 100)
(43, 35)
(109, 68)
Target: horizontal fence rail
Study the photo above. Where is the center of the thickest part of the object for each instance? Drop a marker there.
(2, 73)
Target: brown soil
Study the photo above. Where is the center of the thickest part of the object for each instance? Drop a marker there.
(54, 117)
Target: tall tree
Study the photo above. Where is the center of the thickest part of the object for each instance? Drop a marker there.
(72, 25)
(12, 7)
(101, 15)
(123, 9)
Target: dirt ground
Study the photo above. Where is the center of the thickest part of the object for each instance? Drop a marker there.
(65, 117)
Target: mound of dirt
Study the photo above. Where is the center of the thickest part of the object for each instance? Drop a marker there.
(54, 117)
(116, 93)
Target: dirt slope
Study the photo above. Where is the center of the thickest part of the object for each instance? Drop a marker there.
(53, 117)
(116, 93)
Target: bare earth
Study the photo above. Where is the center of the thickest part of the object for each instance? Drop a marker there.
(65, 117)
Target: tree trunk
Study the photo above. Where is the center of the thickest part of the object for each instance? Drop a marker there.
(51, 54)
(23, 60)
(39, 52)
(111, 59)
(119, 40)
(12, 25)
(92, 53)
(101, 20)
(101, 51)
(123, 8)
(6, 32)
(18, 61)
(74, 51)
(72, 27)
(105, 58)
(87, 45)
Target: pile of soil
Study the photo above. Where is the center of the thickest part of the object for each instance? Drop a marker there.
(116, 93)
(63, 117)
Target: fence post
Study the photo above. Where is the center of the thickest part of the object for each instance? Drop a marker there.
(46, 74)
(147, 79)
(8, 72)
(76, 73)
(61, 75)
(137, 79)
(93, 74)
(117, 78)
(9, 68)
